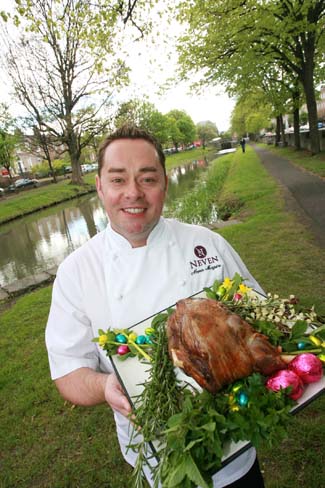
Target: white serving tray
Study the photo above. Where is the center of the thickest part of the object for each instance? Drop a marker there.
(133, 373)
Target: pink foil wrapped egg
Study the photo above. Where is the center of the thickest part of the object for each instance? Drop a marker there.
(283, 379)
(122, 349)
(307, 366)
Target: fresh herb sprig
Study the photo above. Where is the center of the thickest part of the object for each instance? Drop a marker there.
(195, 437)
(160, 399)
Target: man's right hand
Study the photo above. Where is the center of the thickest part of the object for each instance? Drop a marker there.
(115, 397)
(87, 387)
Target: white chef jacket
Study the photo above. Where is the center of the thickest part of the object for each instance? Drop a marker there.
(108, 284)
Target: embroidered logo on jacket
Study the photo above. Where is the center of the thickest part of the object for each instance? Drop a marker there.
(204, 262)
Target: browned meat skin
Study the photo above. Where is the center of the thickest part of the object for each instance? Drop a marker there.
(215, 346)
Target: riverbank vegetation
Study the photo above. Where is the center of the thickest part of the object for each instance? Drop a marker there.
(199, 206)
(48, 443)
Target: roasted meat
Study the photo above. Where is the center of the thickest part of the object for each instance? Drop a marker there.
(215, 346)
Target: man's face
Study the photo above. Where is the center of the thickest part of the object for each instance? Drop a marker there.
(132, 187)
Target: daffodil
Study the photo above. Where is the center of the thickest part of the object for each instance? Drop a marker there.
(243, 289)
(227, 284)
(102, 339)
(132, 336)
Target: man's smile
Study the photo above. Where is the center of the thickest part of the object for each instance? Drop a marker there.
(134, 210)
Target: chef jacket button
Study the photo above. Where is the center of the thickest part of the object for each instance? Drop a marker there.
(115, 256)
(171, 243)
(183, 283)
(120, 296)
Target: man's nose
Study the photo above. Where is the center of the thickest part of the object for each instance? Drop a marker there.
(133, 190)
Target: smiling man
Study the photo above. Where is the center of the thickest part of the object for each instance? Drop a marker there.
(132, 185)
(139, 265)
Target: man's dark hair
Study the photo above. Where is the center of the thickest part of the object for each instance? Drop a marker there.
(129, 131)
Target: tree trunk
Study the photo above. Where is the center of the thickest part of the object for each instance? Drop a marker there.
(296, 117)
(74, 153)
(277, 131)
(296, 128)
(307, 80)
(283, 135)
(312, 116)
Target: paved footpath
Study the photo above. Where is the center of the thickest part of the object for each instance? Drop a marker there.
(304, 192)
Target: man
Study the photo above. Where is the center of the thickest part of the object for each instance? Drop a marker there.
(243, 144)
(139, 265)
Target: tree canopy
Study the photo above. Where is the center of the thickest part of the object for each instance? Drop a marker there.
(181, 127)
(206, 131)
(145, 115)
(65, 66)
(235, 40)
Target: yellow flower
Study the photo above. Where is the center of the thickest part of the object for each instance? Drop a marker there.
(244, 289)
(132, 336)
(227, 284)
(234, 408)
(102, 340)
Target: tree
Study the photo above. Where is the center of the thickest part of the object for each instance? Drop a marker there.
(145, 115)
(9, 140)
(181, 128)
(64, 67)
(225, 37)
(206, 131)
(251, 114)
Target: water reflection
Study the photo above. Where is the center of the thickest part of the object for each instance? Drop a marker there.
(42, 240)
(31, 246)
(183, 178)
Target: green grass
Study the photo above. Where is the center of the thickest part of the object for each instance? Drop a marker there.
(315, 164)
(276, 247)
(45, 443)
(42, 197)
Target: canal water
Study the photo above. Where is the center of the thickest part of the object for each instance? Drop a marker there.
(42, 240)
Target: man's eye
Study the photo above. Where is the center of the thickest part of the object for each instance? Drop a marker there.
(116, 180)
(149, 179)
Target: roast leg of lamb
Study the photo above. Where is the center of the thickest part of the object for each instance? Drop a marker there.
(215, 346)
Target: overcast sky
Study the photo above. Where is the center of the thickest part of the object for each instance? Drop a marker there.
(152, 64)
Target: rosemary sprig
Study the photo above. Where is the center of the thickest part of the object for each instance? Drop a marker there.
(160, 399)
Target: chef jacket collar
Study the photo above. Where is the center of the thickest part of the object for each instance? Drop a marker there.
(119, 244)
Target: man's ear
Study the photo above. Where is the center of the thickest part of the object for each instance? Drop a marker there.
(99, 188)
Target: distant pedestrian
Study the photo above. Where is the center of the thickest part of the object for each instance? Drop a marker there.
(242, 143)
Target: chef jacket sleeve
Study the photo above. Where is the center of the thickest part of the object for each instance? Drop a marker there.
(68, 333)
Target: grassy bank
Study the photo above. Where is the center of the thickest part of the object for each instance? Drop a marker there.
(46, 443)
(42, 197)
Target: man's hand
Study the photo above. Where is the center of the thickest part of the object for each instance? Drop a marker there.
(87, 387)
(115, 396)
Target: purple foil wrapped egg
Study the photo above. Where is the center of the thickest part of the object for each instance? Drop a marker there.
(307, 366)
(283, 379)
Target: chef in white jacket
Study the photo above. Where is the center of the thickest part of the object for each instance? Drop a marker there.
(140, 264)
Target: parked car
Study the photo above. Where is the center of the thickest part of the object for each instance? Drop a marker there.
(2, 192)
(23, 183)
(86, 168)
(67, 169)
